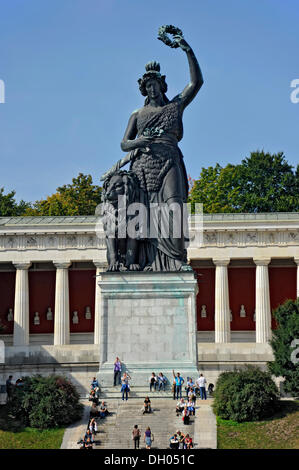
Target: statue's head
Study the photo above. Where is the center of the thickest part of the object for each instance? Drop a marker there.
(152, 82)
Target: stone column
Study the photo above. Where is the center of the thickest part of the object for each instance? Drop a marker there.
(62, 304)
(101, 267)
(21, 308)
(262, 301)
(222, 312)
(297, 262)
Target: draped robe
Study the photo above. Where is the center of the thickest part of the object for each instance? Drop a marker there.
(162, 177)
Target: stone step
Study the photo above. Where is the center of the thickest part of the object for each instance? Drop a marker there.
(136, 392)
(115, 430)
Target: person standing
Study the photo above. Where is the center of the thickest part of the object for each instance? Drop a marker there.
(117, 372)
(136, 436)
(178, 384)
(173, 388)
(9, 388)
(148, 438)
(201, 382)
(125, 388)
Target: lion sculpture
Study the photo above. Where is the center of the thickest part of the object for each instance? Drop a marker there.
(122, 250)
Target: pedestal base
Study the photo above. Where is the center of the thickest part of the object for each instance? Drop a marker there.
(148, 320)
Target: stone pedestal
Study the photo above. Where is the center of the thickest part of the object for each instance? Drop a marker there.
(148, 320)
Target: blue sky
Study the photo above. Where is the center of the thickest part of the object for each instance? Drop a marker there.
(70, 69)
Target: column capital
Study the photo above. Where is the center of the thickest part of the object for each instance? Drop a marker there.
(261, 261)
(62, 264)
(221, 261)
(100, 264)
(22, 264)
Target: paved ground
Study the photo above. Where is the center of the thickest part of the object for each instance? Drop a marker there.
(114, 432)
(76, 430)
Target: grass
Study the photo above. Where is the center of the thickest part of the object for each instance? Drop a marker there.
(14, 436)
(279, 432)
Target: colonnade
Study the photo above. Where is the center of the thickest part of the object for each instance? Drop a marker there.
(62, 313)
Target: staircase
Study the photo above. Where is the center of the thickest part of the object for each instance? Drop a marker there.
(115, 431)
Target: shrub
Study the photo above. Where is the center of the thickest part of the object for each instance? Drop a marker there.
(46, 402)
(245, 395)
(287, 317)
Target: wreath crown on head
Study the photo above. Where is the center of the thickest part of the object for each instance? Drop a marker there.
(152, 71)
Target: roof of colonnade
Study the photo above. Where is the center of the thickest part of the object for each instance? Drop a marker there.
(92, 219)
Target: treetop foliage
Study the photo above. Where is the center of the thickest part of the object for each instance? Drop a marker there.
(262, 182)
(79, 198)
(9, 206)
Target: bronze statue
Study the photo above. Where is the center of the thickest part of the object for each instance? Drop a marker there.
(151, 138)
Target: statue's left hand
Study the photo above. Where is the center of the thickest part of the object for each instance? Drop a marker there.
(182, 43)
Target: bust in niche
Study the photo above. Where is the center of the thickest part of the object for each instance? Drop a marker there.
(75, 318)
(242, 311)
(87, 313)
(49, 314)
(231, 314)
(36, 320)
(10, 315)
(254, 316)
(203, 312)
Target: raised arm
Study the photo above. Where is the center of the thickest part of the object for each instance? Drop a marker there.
(196, 79)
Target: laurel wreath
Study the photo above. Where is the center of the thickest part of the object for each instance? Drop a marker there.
(169, 29)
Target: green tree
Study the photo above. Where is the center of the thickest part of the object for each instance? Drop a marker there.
(269, 184)
(217, 189)
(9, 206)
(79, 198)
(247, 394)
(46, 402)
(283, 345)
(261, 183)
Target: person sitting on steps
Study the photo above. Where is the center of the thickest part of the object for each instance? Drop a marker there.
(161, 381)
(153, 381)
(191, 407)
(186, 415)
(174, 442)
(103, 410)
(147, 405)
(180, 406)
